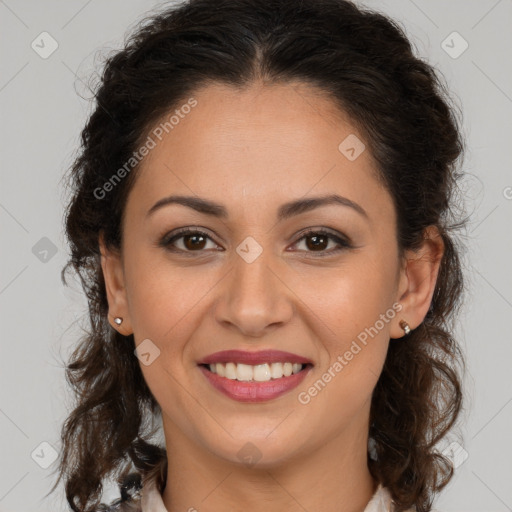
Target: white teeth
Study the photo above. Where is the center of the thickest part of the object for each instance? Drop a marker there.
(244, 372)
(276, 370)
(262, 372)
(296, 367)
(259, 373)
(220, 369)
(230, 371)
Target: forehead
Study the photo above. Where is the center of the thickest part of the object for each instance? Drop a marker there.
(260, 146)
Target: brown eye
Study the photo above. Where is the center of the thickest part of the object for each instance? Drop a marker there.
(318, 241)
(193, 240)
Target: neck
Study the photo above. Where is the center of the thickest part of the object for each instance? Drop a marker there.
(332, 477)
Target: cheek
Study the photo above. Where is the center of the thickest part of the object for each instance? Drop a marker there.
(351, 298)
(165, 306)
(353, 341)
(353, 313)
(162, 299)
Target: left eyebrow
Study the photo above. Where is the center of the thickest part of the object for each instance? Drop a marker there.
(285, 211)
(304, 205)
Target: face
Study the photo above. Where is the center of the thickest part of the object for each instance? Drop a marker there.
(253, 280)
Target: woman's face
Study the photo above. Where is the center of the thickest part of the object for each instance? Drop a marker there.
(256, 282)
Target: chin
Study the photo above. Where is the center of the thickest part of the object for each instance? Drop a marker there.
(257, 452)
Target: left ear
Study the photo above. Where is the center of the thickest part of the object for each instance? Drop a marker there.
(417, 282)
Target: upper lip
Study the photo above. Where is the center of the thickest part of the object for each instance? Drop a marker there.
(254, 358)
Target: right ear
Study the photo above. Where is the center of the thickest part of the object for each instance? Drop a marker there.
(113, 274)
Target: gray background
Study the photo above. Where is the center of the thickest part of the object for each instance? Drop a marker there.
(44, 105)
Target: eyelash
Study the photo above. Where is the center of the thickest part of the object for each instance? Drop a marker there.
(344, 244)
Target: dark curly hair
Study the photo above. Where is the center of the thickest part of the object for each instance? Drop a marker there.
(365, 63)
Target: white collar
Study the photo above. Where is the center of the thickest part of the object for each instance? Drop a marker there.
(151, 500)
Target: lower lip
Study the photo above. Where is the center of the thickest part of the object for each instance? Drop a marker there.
(252, 391)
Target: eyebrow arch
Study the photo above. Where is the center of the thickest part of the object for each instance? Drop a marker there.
(285, 211)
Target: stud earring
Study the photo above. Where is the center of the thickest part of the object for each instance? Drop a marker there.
(118, 320)
(405, 326)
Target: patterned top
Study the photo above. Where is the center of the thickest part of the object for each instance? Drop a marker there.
(149, 499)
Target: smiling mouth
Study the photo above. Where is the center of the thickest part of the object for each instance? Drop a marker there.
(256, 373)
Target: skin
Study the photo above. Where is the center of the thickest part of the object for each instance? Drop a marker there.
(253, 150)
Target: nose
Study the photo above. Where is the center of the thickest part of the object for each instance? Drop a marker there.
(255, 298)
